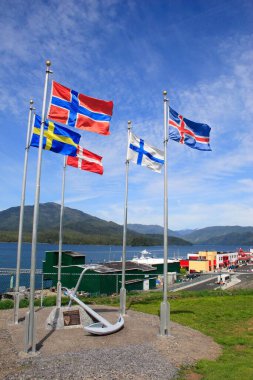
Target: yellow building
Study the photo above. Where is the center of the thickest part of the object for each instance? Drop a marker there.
(204, 261)
(211, 256)
(198, 265)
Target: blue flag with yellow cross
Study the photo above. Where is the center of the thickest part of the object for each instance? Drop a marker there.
(56, 138)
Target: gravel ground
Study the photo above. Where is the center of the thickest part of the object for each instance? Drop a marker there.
(103, 363)
(136, 352)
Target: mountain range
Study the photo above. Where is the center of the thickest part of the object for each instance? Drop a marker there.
(82, 228)
(209, 235)
(78, 228)
(156, 229)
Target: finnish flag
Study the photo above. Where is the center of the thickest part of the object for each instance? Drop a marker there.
(143, 154)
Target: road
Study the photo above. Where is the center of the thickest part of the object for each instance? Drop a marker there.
(246, 276)
(208, 281)
(203, 282)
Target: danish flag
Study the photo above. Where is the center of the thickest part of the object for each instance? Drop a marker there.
(86, 160)
(184, 131)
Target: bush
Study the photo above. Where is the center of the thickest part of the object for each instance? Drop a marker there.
(6, 304)
(47, 301)
(24, 303)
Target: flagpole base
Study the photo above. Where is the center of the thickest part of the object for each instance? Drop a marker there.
(30, 333)
(164, 319)
(123, 301)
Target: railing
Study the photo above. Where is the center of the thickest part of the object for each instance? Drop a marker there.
(92, 283)
(106, 284)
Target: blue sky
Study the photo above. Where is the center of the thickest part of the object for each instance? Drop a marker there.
(201, 52)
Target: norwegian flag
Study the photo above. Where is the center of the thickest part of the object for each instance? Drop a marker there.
(80, 111)
(184, 131)
(86, 160)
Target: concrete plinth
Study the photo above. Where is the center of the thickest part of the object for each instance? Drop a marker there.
(55, 320)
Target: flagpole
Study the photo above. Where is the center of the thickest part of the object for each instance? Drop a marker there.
(30, 333)
(164, 308)
(21, 215)
(123, 277)
(58, 303)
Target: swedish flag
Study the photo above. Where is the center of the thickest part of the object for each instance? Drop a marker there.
(56, 138)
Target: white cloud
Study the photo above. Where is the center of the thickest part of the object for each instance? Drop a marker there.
(245, 185)
(203, 215)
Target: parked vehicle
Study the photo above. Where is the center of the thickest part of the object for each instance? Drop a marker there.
(191, 276)
(223, 278)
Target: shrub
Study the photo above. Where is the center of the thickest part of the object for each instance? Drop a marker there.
(49, 301)
(6, 304)
(24, 303)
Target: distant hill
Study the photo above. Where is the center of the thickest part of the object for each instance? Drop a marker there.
(149, 229)
(82, 228)
(221, 235)
(245, 238)
(78, 228)
(210, 235)
(156, 229)
(182, 233)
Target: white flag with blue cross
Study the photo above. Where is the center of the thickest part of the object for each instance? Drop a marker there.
(143, 154)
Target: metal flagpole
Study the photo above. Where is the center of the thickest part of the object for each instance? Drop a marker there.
(58, 303)
(165, 308)
(21, 216)
(30, 323)
(123, 281)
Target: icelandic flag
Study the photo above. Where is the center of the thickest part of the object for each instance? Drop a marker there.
(86, 160)
(80, 111)
(56, 138)
(143, 154)
(184, 131)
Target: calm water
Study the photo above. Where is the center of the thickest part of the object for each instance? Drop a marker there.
(97, 254)
(94, 254)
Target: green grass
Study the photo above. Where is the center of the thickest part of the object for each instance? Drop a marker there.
(226, 317)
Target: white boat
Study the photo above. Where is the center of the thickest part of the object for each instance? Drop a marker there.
(147, 257)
